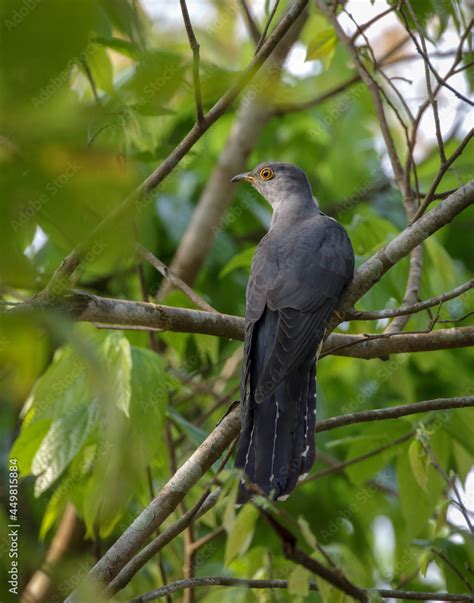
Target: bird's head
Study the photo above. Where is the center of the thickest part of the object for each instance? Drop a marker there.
(277, 181)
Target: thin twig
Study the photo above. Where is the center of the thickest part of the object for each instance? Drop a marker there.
(413, 308)
(439, 79)
(297, 555)
(194, 44)
(205, 502)
(452, 567)
(119, 554)
(451, 482)
(357, 459)
(460, 319)
(302, 106)
(251, 24)
(374, 89)
(267, 25)
(175, 279)
(395, 412)
(258, 584)
(413, 284)
(410, 163)
(442, 171)
(60, 280)
(367, 24)
(90, 79)
(429, 87)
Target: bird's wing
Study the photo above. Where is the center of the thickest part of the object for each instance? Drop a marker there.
(301, 279)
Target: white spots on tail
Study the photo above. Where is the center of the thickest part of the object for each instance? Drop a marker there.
(302, 477)
(250, 446)
(306, 427)
(283, 497)
(272, 476)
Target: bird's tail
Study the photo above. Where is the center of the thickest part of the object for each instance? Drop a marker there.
(276, 446)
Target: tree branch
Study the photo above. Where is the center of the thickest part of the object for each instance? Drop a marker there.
(194, 44)
(381, 346)
(267, 25)
(297, 555)
(410, 309)
(373, 87)
(165, 502)
(205, 502)
(123, 314)
(126, 546)
(228, 581)
(394, 412)
(443, 169)
(340, 466)
(175, 279)
(60, 278)
(253, 114)
(377, 265)
(412, 287)
(249, 19)
(211, 581)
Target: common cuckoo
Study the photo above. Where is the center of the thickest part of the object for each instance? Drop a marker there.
(299, 272)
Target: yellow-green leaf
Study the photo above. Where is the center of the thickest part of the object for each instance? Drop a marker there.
(441, 519)
(425, 559)
(241, 535)
(307, 532)
(322, 47)
(298, 581)
(419, 463)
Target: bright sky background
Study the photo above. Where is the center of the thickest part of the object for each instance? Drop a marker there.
(452, 110)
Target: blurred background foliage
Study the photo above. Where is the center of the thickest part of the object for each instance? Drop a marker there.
(95, 93)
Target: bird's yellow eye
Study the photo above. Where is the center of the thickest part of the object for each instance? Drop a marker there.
(266, 173)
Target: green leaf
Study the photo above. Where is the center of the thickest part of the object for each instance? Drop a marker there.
(240, 537)
(230, 515)
(101, 67)
(28, 442)
(462, 459)
(307, 532)
(460, 426)
(63, 441)
(417, 504)
(361, 471)
(457, 556)
(322, 47)
(240, 260)
(298, 581)
(419, 462)
(329, 593)
(158, 76)
(425, 559)
(56, 388)
(441, 519)
(118, 355)
(208, 345)
(194, 433)
(148, 404)
(122, 46)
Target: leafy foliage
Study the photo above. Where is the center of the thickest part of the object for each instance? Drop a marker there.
(94, 96)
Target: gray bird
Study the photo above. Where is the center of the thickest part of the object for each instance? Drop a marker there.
(299, 272)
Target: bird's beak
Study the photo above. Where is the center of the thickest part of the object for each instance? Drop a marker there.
(247, 176)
